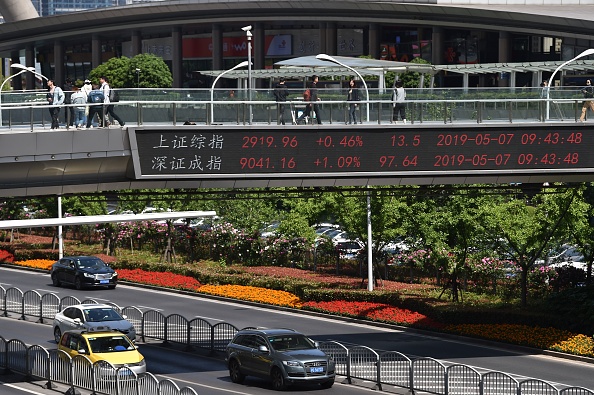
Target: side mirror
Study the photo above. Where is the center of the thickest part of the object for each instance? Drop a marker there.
(125, 317)
(77, 321)
(82, 351)
(263, 349)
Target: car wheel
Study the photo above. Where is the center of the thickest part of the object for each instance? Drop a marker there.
(55, 280)
(327, 384)
(77, 283)
(235, 372)
(57, 334)
(278, 381)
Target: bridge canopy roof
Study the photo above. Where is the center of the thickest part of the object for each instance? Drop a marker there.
(306, 66)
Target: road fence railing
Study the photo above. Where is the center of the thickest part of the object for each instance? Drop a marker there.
(354, 362)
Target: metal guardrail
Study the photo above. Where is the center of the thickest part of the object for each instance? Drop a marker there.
(354, 362)
(36, 115)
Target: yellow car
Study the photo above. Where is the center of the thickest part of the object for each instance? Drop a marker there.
(102, 344)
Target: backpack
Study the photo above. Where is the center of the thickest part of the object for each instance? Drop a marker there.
(96, 96)
(307, 95)
(114, 96)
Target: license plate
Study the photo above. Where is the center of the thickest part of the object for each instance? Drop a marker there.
(317, 369)
(103, 281)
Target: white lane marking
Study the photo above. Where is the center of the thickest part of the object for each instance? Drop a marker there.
(176, 379)
(96, 299)
(149, 308)
(19, 388)
(207, 318)
(51, 291)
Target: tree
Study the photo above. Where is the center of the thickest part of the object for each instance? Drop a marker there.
(522, 231)
(121, 72)
(451, 228)
(410, 79)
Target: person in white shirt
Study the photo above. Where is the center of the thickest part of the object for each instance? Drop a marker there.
(86, 88)
(398, 97)
(55, 97)
(109, 110)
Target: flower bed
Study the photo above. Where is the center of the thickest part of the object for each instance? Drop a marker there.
(531, 336)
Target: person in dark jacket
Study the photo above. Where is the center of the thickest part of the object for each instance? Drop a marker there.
(353, 97)
(280, 93)
(312, 105)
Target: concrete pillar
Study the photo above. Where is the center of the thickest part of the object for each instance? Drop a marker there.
(14, 11)
(259, 51)
(136, 39)
(17, 82)
(59, 53)
(95, 51)
(217, 47)
(373, 41)
(331, 39)
(437, 54)
(504, 56)
(322, 35)
(177, 57)
(30, 62)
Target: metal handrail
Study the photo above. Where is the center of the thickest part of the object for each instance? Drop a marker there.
(36, 115)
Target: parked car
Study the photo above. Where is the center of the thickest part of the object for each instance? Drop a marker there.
(89, 316)
(284, 356)
(83, 271)
(568, 256)
(348, 249)
(270, 230)
(100, 344)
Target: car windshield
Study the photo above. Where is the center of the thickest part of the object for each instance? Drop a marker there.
(110, 344)
(102, 315)
(91, 263)
(290, 342)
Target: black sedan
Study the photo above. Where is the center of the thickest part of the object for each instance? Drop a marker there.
(83, 271)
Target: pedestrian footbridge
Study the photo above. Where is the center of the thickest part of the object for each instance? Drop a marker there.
(178, 144)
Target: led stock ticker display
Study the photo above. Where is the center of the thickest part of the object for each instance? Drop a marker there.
(373, 151)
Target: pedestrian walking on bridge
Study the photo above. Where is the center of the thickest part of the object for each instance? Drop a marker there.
(588, 92)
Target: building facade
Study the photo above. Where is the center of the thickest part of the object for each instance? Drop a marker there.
(200, 35)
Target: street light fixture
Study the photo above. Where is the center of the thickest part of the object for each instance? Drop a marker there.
(138, 82)
(329, 58)
(248, 33)
(585, 53)
(242, 64)
(23, 69)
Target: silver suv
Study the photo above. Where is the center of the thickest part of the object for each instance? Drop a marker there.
(282, 355)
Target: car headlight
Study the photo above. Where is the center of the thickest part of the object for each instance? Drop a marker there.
(115, 274)
(292, 363)
(89, 275)
(142, 363)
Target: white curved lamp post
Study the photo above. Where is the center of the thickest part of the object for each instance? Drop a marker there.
(329, 58)
(585, 53)
(240, 65)
(23, 69)
(248, 33)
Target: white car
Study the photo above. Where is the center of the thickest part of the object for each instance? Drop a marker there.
(88, 316)
(569, 256)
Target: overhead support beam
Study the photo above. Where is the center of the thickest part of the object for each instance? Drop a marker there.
(100, 219)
